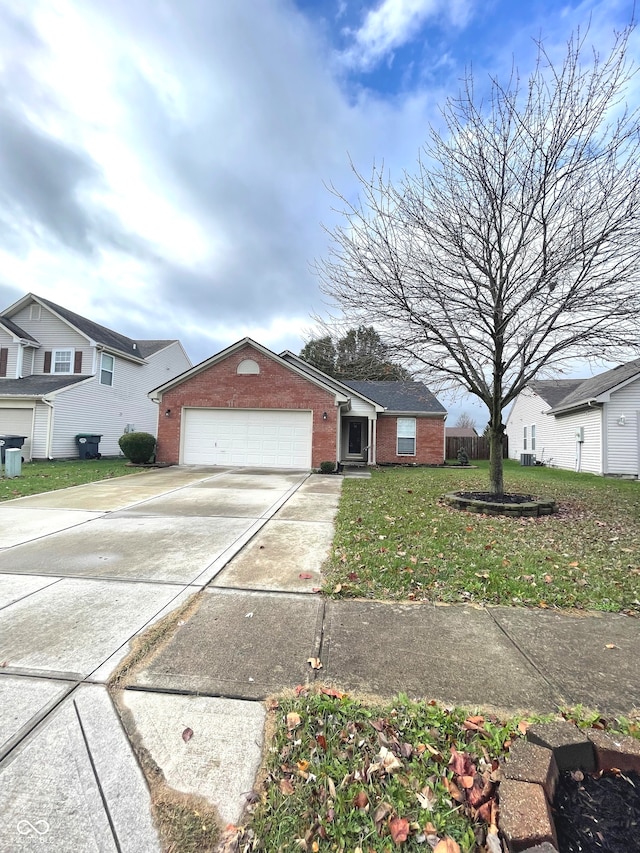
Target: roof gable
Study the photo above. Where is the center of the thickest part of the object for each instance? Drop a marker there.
(225, 353)
(599, 386)
(14, 329)
(553, 391)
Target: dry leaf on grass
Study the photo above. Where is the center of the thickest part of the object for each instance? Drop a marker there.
(187, 734)
(447, 845)
(314, 663)
(286, 787)
(399, 829)
(293, 720)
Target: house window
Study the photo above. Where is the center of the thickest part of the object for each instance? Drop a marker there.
(106, 369)
(533, 436)
(524, 439)
(248, 367)
(62, 361)
(406, 436)
(34, 312)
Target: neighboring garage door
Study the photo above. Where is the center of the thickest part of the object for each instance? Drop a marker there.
(260, 437)
(18, 422)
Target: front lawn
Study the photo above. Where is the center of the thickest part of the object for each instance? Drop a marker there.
(395, 539)
(39, 477)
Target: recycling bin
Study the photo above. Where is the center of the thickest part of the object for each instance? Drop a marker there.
(88, 445)
(10, 441)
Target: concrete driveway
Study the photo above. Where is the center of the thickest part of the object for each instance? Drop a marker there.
(83, 571)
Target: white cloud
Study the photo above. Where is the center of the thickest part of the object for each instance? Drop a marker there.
(395, 22)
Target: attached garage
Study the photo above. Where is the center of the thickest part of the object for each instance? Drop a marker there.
(266, 438)
(18, 421)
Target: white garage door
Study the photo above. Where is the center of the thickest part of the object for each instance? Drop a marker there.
(264, 438)
(18, 422)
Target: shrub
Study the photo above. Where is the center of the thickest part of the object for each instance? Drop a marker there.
(327, 467)
(138, 447)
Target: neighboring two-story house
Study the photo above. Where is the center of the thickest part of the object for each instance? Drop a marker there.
(62, 374)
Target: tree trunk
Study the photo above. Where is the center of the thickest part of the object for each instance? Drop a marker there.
(496, 476)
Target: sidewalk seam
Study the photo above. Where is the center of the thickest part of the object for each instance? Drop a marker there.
(103, 797)
(555, 688)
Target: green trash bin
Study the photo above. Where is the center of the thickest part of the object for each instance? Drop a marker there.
(88, 443)
(9, 442)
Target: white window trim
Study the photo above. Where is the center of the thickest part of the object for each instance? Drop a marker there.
(398, 436)
(111, 372)
(54, 353)
(533, 438)
(524, 438)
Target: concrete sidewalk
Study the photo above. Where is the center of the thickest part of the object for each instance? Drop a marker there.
(84, 572)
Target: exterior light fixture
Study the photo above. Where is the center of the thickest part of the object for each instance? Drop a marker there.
(622, 420)
(324, 416)
(167, 413)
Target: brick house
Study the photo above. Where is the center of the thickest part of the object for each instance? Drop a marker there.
(248, 406)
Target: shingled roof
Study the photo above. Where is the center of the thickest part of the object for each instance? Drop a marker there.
(12, 327)
(590, 389)
(553, 391)
(398, 396)
(37, 386)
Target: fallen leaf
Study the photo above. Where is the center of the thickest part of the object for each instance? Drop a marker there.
(293, 720)
(330, 691)
(187, 734)
(426, 798)
(314, 663)
(337, 588)
(466, 781)
(523, 726)
(574, 564)
(447, 845)
(322, 742)
(548, 578)
(305, 576)
(286, 787)
(380, 815)
(399, 829)
(361, 800)
(611, 646)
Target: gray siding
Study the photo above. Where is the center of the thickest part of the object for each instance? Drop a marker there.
(589, 457)
(106, 410)
(53, 333)
(6, 340)
(529, 409)
(622, 440)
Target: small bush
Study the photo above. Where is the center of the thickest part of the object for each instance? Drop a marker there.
(138, 447)
(327, 467)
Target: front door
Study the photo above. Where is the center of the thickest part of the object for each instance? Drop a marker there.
(355, 438)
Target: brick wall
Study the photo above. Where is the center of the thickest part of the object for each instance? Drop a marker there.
(429, 441)
(275, 387)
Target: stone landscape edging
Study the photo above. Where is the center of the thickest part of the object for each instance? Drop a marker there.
(527, 509)
(531, 772)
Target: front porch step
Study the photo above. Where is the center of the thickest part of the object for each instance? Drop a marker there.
(355, 471)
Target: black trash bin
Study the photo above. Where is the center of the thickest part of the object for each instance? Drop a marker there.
(88, 445)
(10, 441)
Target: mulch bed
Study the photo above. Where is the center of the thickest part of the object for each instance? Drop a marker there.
(497, 499)
(598, 813)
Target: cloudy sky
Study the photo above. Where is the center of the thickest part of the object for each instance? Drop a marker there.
(163, 163)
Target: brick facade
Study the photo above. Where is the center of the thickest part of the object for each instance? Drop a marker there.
(221, 387)
(429, 441)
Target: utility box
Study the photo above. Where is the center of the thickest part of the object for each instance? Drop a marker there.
(11, 441)
(528, 459)
(12, 462)
(88, 445)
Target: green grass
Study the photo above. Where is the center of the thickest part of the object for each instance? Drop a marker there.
(39, 477)
(396, 539)
(324, 788)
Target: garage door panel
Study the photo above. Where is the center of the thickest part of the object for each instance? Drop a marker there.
(18, 422)
(247, 437)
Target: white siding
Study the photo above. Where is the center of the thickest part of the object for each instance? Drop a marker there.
(529, 409)
(43, 415)
(6, 340)
(622, 450)
(588, 458)
(360, 408)
(106, 410)
(53, 333)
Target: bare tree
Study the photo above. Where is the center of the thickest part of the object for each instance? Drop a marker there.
(465, 421)
(515, 245)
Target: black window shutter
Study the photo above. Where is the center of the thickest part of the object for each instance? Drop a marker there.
(47, 362)
(77, 362)
(4, 356)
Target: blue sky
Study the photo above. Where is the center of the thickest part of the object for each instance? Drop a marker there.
(163, 165)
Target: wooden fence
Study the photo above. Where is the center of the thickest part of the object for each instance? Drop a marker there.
(476, 447)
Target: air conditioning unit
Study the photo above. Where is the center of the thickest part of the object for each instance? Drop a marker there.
(528, 459)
